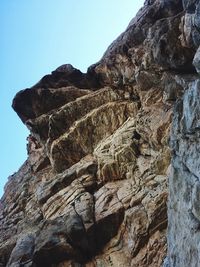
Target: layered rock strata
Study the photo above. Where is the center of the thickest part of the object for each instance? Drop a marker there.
(93, 190)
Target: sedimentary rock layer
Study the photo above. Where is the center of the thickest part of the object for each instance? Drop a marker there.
(93, 191)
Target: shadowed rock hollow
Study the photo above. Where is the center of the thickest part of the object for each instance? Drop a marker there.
(93, 190)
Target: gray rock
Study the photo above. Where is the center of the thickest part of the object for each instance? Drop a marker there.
(196, 60)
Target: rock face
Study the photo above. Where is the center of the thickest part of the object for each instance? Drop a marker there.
(93, 191)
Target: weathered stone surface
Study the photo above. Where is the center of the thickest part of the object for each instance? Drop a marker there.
(31, 103)
(93, 190)
(196, 60)
(184, 182)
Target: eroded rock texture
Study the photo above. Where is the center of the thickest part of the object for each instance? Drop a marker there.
(93, 190)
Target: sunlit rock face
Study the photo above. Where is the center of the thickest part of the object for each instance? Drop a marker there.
(93, 191)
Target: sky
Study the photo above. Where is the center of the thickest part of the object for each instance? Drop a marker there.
(37, 36)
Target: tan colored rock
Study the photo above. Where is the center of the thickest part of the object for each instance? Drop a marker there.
(80, 140)
(93, 191)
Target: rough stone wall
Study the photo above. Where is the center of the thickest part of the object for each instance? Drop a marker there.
(184, 179)
(184, 185)
(93, 190)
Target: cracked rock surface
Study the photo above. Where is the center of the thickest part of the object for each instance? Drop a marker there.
(93, 191)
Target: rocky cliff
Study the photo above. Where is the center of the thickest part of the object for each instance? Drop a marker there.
(93, 191)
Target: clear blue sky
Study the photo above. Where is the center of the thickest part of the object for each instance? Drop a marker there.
(37, 36)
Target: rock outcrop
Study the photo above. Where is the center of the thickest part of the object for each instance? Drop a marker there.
(93, 191)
